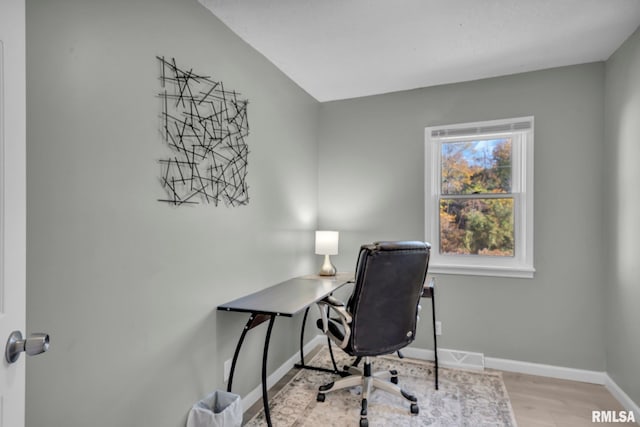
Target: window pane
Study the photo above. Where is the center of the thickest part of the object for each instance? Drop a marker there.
(477, 227)
(476, 167)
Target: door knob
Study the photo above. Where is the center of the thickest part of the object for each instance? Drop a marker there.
(35, 344)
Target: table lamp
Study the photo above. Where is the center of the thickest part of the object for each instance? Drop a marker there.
(327, 244)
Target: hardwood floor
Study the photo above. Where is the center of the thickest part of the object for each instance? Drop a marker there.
(549, 402)
(536, 401)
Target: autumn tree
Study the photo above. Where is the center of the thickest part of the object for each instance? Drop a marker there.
(480, 225)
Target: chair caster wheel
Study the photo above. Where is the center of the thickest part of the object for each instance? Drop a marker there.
(364, 422)
(414, 409)
(320, 397)
(394, 380)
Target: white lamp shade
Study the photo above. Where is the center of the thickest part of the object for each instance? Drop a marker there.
(327, 242)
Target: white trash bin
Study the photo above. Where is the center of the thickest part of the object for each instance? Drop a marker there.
(219, 409)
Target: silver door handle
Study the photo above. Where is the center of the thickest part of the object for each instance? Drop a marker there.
(35, 344)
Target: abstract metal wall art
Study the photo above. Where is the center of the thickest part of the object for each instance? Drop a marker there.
(205, 127)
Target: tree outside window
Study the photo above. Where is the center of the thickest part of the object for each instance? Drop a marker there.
(476, 205)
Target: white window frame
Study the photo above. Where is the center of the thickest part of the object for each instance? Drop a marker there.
(521, 131)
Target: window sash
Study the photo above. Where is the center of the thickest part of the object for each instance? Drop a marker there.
(476, 196)
(512, 211)
(471, 145)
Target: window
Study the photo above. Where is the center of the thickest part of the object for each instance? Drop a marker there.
(479, 198)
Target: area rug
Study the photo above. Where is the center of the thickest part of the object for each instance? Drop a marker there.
(465, 398)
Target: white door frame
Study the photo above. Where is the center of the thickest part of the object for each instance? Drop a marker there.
(12, 205)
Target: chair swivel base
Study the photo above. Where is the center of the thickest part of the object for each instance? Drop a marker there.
(368, 382)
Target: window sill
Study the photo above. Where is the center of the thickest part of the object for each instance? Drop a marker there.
(492, 271)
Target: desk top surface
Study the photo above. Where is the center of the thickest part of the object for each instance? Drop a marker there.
(289, 297)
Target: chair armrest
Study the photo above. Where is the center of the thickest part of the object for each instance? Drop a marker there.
(333, 301)
(337, 307)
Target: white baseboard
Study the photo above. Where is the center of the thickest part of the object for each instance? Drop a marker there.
(560, 372)
(256, 394)
(449, 358)
(468, 360)
(622, 397)
(476, 361)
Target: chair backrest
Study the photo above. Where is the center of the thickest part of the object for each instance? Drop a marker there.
(384, 304)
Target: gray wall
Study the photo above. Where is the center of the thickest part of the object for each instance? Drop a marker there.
(371, 153)
(127, 286)
(622, 153)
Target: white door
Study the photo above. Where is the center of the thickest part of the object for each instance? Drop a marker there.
(12, 205)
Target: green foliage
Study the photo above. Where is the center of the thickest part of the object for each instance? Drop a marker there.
(481, 225)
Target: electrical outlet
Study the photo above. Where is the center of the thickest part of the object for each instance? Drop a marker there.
(227, 370)
(438, 327)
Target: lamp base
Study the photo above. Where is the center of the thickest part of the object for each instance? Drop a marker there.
(327, 268)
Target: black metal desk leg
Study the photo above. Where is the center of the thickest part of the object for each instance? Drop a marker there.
(302, 365)
(304, 323)
(435, 342)
(237, 351)
(333, 359)
(265, 396)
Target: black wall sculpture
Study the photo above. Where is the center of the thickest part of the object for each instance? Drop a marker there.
(205, 127)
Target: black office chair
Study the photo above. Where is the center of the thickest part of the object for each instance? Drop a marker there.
(380, 317)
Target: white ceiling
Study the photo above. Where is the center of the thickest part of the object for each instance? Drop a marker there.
(336, 49)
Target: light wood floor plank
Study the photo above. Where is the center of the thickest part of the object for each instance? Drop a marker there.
(550, 402)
